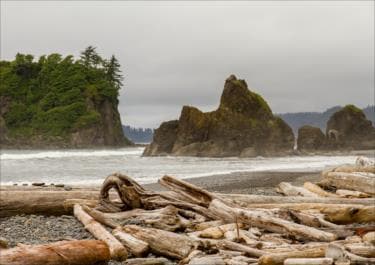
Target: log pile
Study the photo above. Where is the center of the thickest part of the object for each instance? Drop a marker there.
(330, 222)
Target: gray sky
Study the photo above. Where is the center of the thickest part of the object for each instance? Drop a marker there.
(300, 56)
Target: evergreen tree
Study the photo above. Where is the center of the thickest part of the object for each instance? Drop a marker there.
(113, 72)
(90, 58)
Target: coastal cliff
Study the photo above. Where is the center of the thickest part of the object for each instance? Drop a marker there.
(243, 125)
(60, 102)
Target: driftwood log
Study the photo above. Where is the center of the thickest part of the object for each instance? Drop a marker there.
(351, 181)
(117, 250)
(76, 252)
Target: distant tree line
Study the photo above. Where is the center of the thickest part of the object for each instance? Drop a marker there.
(54, 95)
(138, 135)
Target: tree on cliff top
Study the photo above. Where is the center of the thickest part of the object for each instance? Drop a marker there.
(52, 95)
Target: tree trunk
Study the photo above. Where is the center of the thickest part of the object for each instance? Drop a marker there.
(350, 181)
(76, 252)
(14, 202)
(117, 250)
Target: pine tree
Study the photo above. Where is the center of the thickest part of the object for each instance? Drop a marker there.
(113, 72)
(90, 58)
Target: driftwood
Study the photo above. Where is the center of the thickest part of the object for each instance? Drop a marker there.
(163, 242)
(246, 200)
(290, 190)
(350, 181)
(268, 222)
(76, 252)
(147, 261)
(316, 261)
(279, 258)
(134, 245)
(315, 224)
(117, 250)
(13, 202)
(318, 190)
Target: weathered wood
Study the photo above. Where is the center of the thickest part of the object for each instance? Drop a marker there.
(369, 237)
(318, 190)
(312, 261)
(218, 231)
(246, 200)
(254, 252)
(117, 250)
(352, 194)
(135, 246)
(147, 261)
(349, 181)
(279, 258)
(76, 252)
(337, 252)
(367, 251)
(336, 213)
(163, 242)
(266, 221)
(290, 190)
(14, 202)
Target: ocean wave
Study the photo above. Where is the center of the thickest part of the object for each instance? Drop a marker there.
(70, 153)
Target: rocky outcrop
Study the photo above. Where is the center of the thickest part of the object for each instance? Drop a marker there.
(310, 138)
(243, 125)
(348, 128)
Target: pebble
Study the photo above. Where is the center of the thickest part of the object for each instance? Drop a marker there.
(24, 184)
(38, 183)
(67, 188)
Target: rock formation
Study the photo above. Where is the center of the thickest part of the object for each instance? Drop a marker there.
(243, 125)
(310, 138)
(348, 128)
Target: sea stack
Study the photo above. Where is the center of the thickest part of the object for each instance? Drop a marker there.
(348, 128)
(243, 125)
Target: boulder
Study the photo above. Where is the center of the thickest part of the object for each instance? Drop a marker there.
(243, 125)
(310, 138)
(348, 128)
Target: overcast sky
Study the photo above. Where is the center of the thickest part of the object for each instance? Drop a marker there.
(300, 56)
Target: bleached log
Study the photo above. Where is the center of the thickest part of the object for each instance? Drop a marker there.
(279, 258)
(312, 261)
(75, 252)
(337, 252)
(209, 224)
(147, 261)
(218, 231)
(352, 194)
(162, 242)
(254, 252)
(14, 202)
(117, 250)
(207, 260)
(271, 223)
(336, 213)
(367, 251)
(349, 181)
(247, 200)
(166, 218)
(353, 168)
(318, 190)
(290, 190)
(135, 246)
(369, 238)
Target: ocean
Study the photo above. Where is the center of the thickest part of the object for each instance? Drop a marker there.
(90, 167)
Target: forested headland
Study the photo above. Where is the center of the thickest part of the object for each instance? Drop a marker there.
(61, 101)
